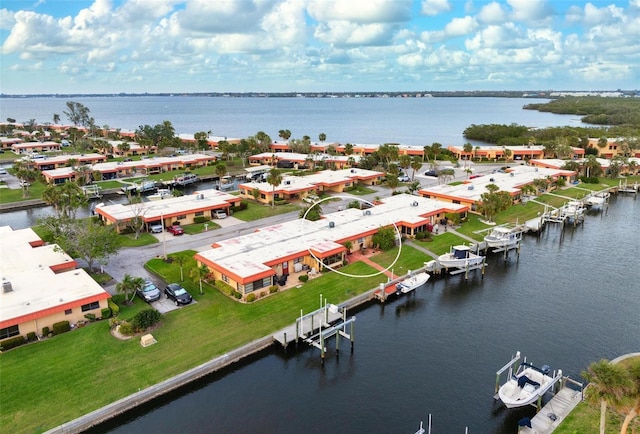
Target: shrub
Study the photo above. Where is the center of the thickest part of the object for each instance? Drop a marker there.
(105, 313)
(303, 278)
(145, 319)
(200, 219)
(273, 289)
(13, 342)
(237, 295)
(126, 329)
(115, 309)
(251, 298)
(31, 336)
(61, 327)
(117, 299)
(90, 316)
(45, 331)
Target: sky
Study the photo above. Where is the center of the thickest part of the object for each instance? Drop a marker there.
(175, 46)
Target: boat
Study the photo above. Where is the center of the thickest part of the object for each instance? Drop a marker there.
(186, 179)
(412, 282)
(142, 186)
(503, 237)
(573, 211)
(598, 200)
(526, 385)
(162, 193)
(460, 256)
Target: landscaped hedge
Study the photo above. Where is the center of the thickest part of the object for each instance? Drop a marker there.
(251, 298)
(45, 331)
(115, 309)
(61, 327)
(200, 219)
(106, 313)
(31, 336)
(145, 319)
(303, 278)
(13, 342)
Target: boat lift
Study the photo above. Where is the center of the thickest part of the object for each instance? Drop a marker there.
(513, 366)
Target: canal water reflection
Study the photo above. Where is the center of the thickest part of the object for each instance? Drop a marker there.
(571, 298)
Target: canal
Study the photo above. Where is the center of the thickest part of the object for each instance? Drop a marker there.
(570, 299)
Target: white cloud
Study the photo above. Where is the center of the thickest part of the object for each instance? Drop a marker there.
(460, 26)
(532, 12)
(493, 13)
(435, 7)
(360, 11)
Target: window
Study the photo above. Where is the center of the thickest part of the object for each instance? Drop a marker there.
(68, 311)
(263, 196)
(90, 306)
(181, 217)
(199, 213)
(225, 279)
(9, 331)
(298, 260)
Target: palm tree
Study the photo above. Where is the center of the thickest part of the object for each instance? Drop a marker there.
(284, 134)
(200, 273)
(467, 148)
(322, 137)
(123, 148)
(608, 384)
(180, 260)
(129, 285)
(416, 165)
(56, 118)
(66, 199)
(274, 178)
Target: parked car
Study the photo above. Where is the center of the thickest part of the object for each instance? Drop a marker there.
(24, 183)
(178, 294)
(149, 292)
(219, 214)
(475, 176)
(431, 173)
(175, 229)
(155, 229)
(404, 178)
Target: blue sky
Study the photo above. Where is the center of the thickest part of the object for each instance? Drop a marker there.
(109, 46)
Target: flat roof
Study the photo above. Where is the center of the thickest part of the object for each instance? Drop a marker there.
(36, 287)
(511, 182)
(292, 184)
(252, 254)
(294, 156)
(169, 207)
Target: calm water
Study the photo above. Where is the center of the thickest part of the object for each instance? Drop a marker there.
(409, 121)
(573, 297)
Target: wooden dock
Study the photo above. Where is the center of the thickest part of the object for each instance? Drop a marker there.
(554, 412)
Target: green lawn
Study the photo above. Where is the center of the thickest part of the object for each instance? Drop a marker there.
(50, 382)
(256, 211)
(145, 239)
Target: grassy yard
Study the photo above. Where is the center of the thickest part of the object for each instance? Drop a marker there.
(88, 368)
(256, 211)
(129, 240)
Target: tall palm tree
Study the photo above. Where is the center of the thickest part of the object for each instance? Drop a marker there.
(322, 137)
(608, 384)
(416, 165)
(274, 178)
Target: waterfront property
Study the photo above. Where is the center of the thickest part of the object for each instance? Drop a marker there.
(631, 167)
(297, 187)
(273, 254)
(181, 210)
(469, 193)
(293, 160)
(42, 285)
(122, 169)
(60, 161)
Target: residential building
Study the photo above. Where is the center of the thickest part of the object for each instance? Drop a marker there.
(252, 263)
(41, 285)
(181, 210)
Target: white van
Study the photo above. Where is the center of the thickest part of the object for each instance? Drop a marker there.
(219, 214)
